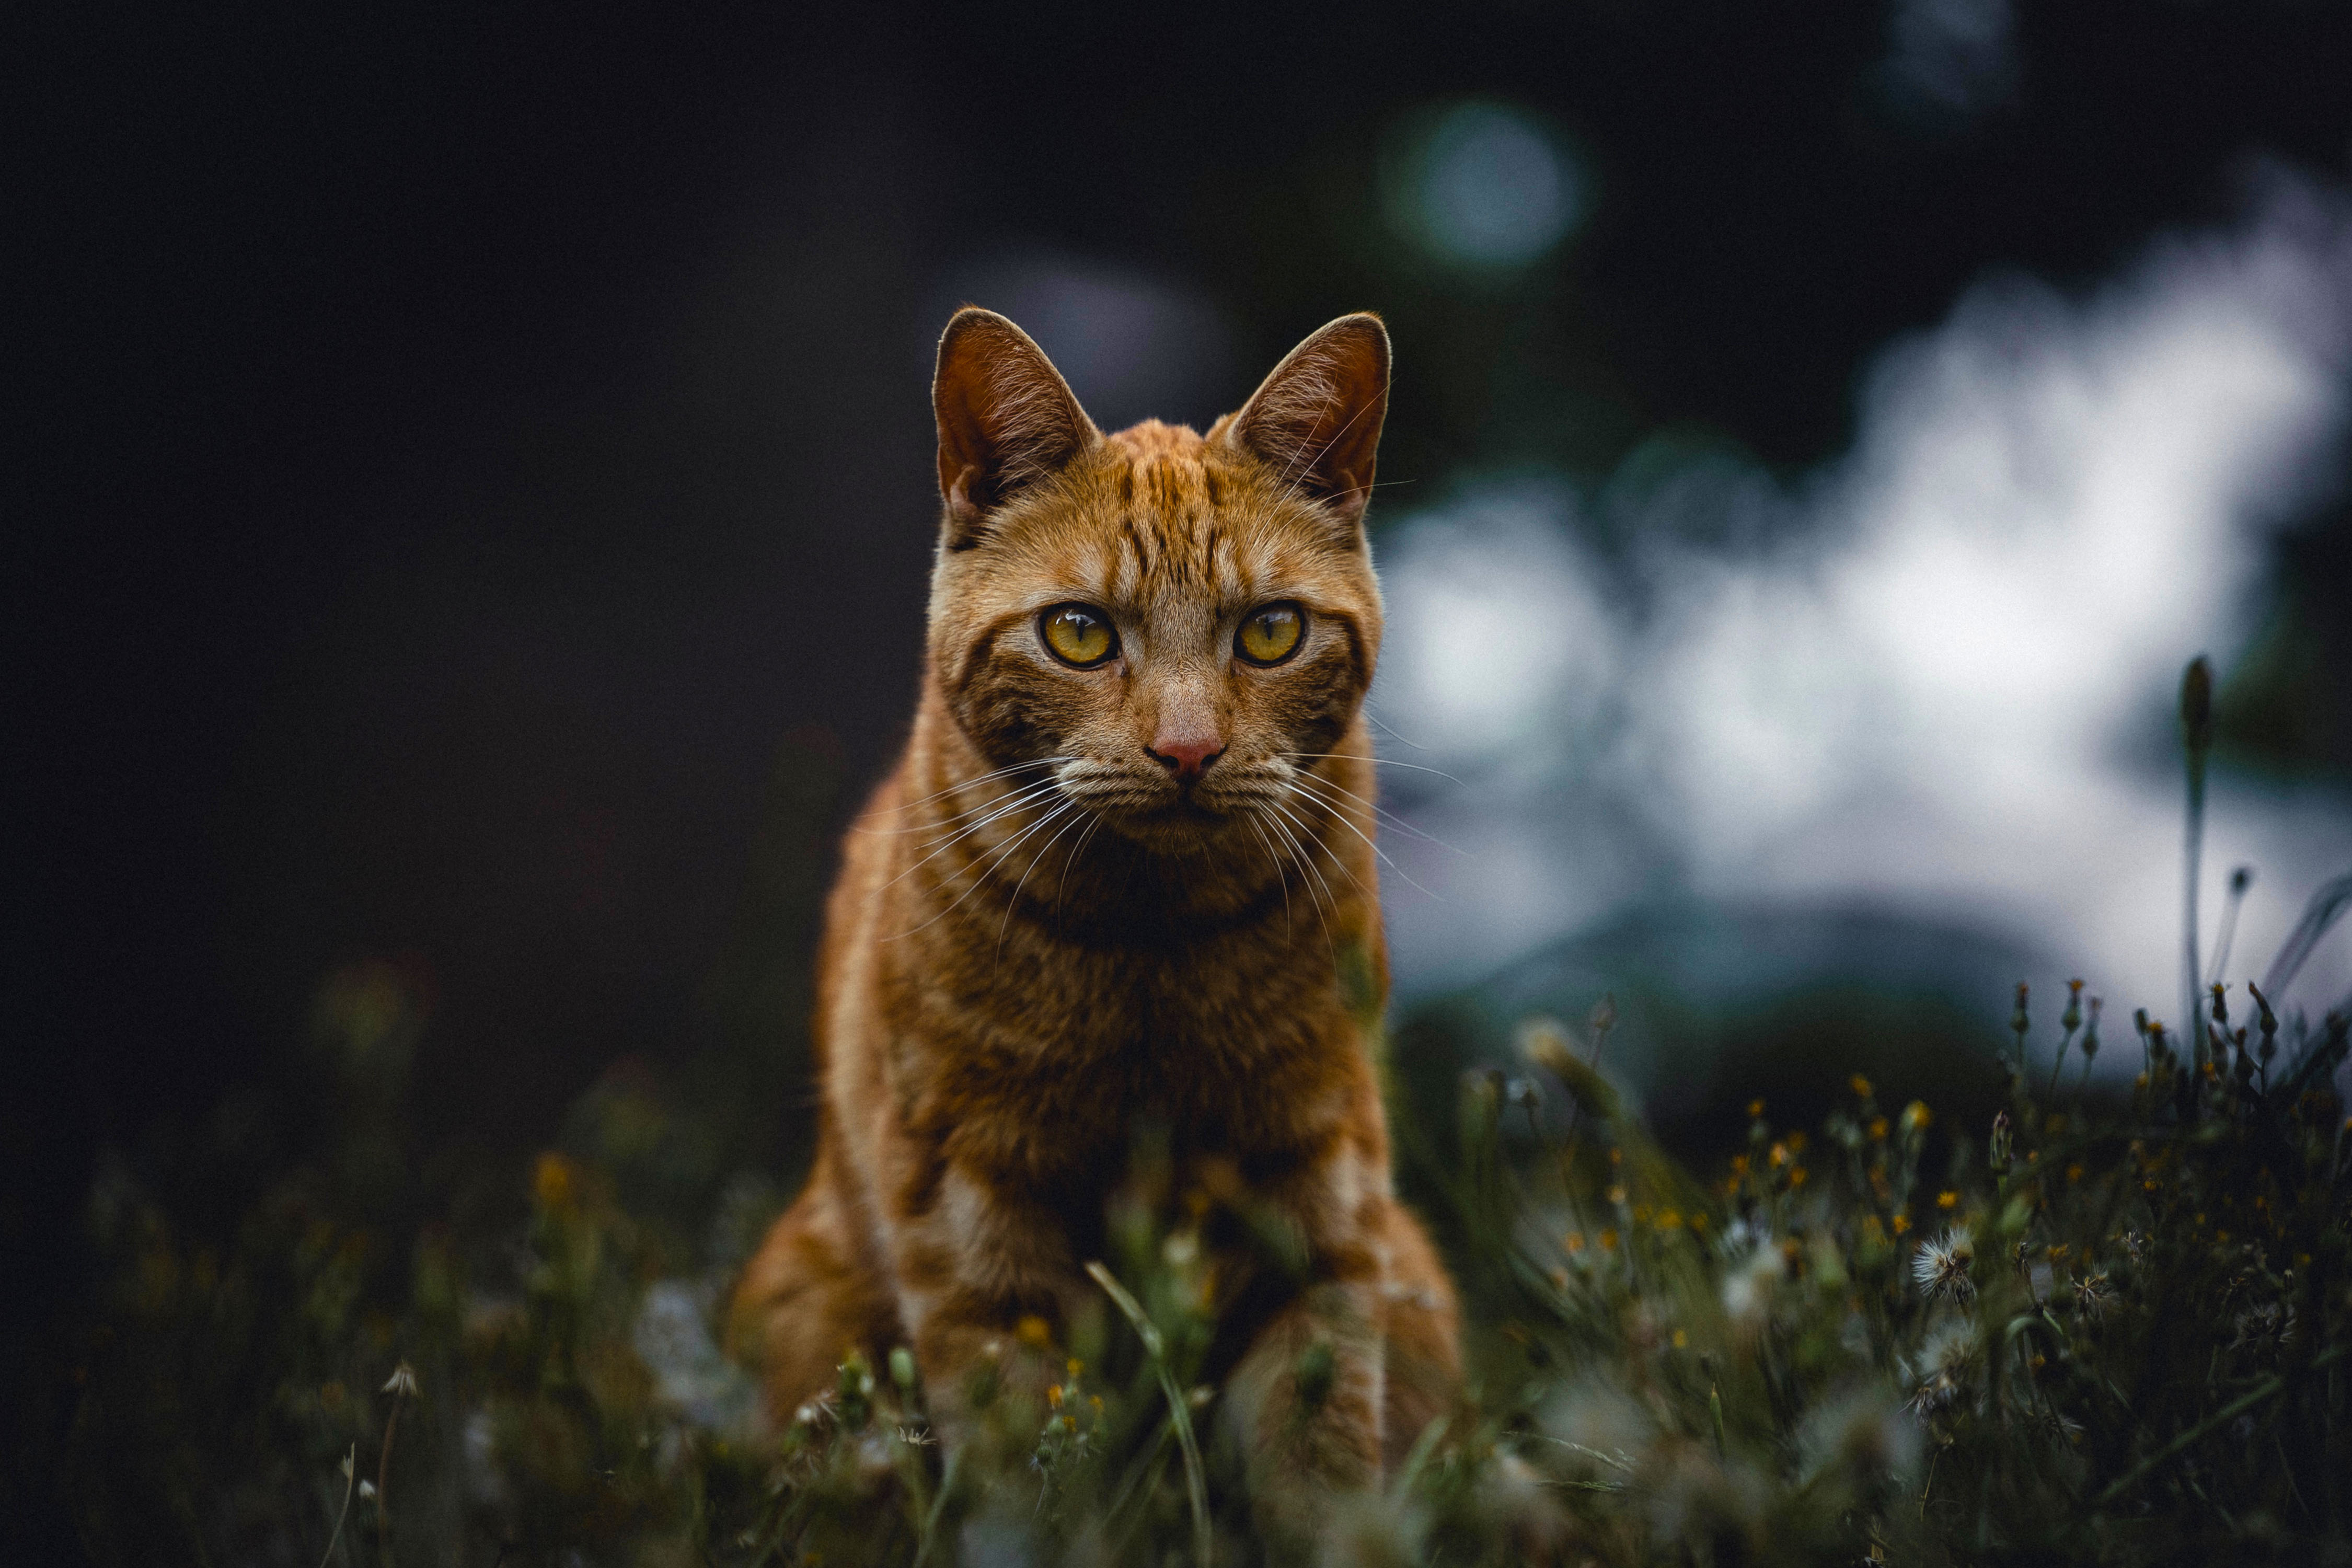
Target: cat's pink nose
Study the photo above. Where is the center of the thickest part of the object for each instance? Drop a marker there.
(1186, 757)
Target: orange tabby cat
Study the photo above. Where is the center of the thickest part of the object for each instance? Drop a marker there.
(1122, 876)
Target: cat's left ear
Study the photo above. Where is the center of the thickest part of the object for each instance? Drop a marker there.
(1316, 421)
(1006, 418)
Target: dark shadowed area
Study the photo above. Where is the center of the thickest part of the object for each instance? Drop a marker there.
(472, 488)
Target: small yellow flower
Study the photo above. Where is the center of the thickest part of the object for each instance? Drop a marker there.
(1916, 1117)
(1878, 1129)
(1054, 1396)
(1754, 1107)
(1796, 1142)
(1947, 1200)
(1075, 1367)
(1779, 1155)
(1796, 1176)
(1575, 1242)
(1739, 1164)
(1670, 1219)
(1617, 1194)
(1681, 1339)
(552, 1182)
(2074, 1172)
(1609, 1240)
(1900, 1223)
(1033, 1332)
(1860, 1084)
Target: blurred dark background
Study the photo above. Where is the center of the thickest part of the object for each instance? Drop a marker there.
(472, 496)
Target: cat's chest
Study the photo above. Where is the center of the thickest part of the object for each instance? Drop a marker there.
(1221, 1041)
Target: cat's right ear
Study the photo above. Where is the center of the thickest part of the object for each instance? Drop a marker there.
(1006, 419)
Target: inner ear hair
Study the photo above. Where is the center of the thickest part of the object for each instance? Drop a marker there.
(1316, 419)
(1006, 418)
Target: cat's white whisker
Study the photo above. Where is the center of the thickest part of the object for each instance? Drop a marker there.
(981, 875)
(1025, 798)
(1381, 813)
(1340, 816)
(959, 784)
(1289, 926)
(1376, 762)
(1321, 897)
(1014, 903)
(1071, 864)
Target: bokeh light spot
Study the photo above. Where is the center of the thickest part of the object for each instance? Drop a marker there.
(1485, 185)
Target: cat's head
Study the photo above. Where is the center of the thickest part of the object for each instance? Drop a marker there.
(1186, 621)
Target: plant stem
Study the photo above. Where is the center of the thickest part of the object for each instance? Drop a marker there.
(1179, 1410)
(2205, 1429)
(351, 1484)
(383, 1484)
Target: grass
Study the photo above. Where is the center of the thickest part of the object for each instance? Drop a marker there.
(2103, 1325)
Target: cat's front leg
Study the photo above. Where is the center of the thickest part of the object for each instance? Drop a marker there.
(972, 1266)
(1306, 1406)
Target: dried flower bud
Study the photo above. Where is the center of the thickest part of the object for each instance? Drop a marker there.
(2072, 1018)
(2000, 1147)
(2197, 705)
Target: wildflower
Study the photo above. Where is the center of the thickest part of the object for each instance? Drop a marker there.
(1878, 1129)
(1942, 1266)
(1608, 1240)
(1747, 1290)
(1575, 1242)
(1916, 1117)
(2264, 1327)
(1755, 1110)
(2000, 1145)
(1942, 1366)
(1032, 1331)
(1860, 1084)
(1796, 1176)
(2092, 1295)
(1947, 1200)
(1900, 1223)
(1670, 1219)
(1617, 1195)
(552, 1181)
(402, 1383)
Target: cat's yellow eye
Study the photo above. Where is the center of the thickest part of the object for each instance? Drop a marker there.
(1079, 634)
(1271, 633)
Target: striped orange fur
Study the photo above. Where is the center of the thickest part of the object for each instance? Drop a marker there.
(1141, 893)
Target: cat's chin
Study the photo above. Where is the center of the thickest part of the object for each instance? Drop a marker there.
(1180, 825)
